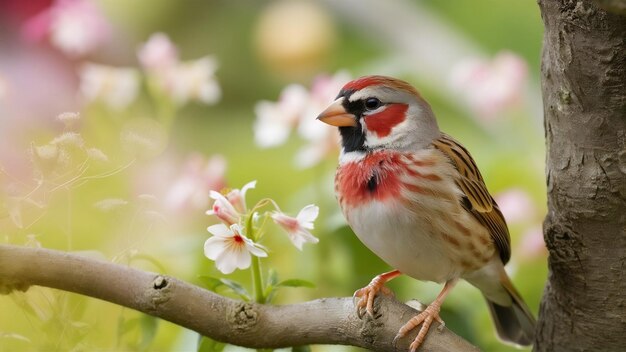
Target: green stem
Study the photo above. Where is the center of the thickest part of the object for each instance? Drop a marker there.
(257, 278)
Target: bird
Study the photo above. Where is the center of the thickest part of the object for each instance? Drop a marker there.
(416, 198)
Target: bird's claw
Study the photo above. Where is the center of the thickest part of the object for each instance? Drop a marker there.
(442, 325)
(425, 318)
(366, 296)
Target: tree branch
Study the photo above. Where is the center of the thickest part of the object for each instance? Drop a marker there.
(323, 321)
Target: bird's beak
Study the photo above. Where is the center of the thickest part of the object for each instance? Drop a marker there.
(336, 115)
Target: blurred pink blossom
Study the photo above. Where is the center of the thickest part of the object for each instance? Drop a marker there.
(489, 87)
(297, 108)
(532, 244)
(76, 27)
(194, 80)
(182, 81)
(117, 87)
(190, 189)
(516, 205)
(276, 119)
(158, 53)
(4, 87)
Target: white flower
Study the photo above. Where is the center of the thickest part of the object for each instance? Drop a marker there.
(158, 53)
(274, 120)
(298, 228)
(116, 87)
(238, 197)
(194, 80)
(230, 249)
(223, 209)
(298, 108)
(489, 87)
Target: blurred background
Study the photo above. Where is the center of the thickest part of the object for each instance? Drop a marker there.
(117, 118)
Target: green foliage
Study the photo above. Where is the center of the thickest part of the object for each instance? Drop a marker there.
(206, 344)
(214, 283)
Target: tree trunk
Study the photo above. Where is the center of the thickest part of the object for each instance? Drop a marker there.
(584, 97)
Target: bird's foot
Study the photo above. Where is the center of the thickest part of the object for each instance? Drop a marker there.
(367, 294)
(425, 318)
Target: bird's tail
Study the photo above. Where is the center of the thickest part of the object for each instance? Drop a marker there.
(514, 323)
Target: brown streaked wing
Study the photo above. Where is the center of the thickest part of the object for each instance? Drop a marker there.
(477, 199)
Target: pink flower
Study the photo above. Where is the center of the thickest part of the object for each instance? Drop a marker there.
(182, 81)
(230, 207)
(298, 228)
(158, 53)
(489, 87)
(276, 119)
(223, 209)
(194, 80)
(238, 197)
(297, 108)
(198, 177)
(117, 87)
(532, 244)
(230, 249)
(75, 27)
(516, 205)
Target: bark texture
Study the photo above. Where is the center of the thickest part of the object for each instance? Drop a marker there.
(323, 321)
(584, 89)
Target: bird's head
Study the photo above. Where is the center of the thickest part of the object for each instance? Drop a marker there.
(378, 112)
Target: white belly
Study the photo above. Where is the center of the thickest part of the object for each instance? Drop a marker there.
(403, 240)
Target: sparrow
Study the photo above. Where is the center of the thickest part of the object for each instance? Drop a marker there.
(415, 197)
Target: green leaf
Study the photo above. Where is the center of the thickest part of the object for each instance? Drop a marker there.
(272, 277)
(149, 326)
(210, 283)
(237, 288)
(139, 256)
(124, 326)
(270, 288)
(295, 283)
(213, 283)
(305, 348)
(206, 344)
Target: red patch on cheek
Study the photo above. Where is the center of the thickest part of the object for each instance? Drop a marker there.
(381, 123)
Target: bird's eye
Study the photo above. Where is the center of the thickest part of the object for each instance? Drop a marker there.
(372, 103)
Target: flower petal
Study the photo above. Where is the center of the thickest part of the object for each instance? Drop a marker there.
(216, 195)
(308, 214)
(214, 247)
(246, 187)
(220, 230)
(298, 238)
(242, 257)
(256, 249)
(226, 263)
(223, 209)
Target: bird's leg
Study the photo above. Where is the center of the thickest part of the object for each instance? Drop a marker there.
(367, 294)
(426, 318)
